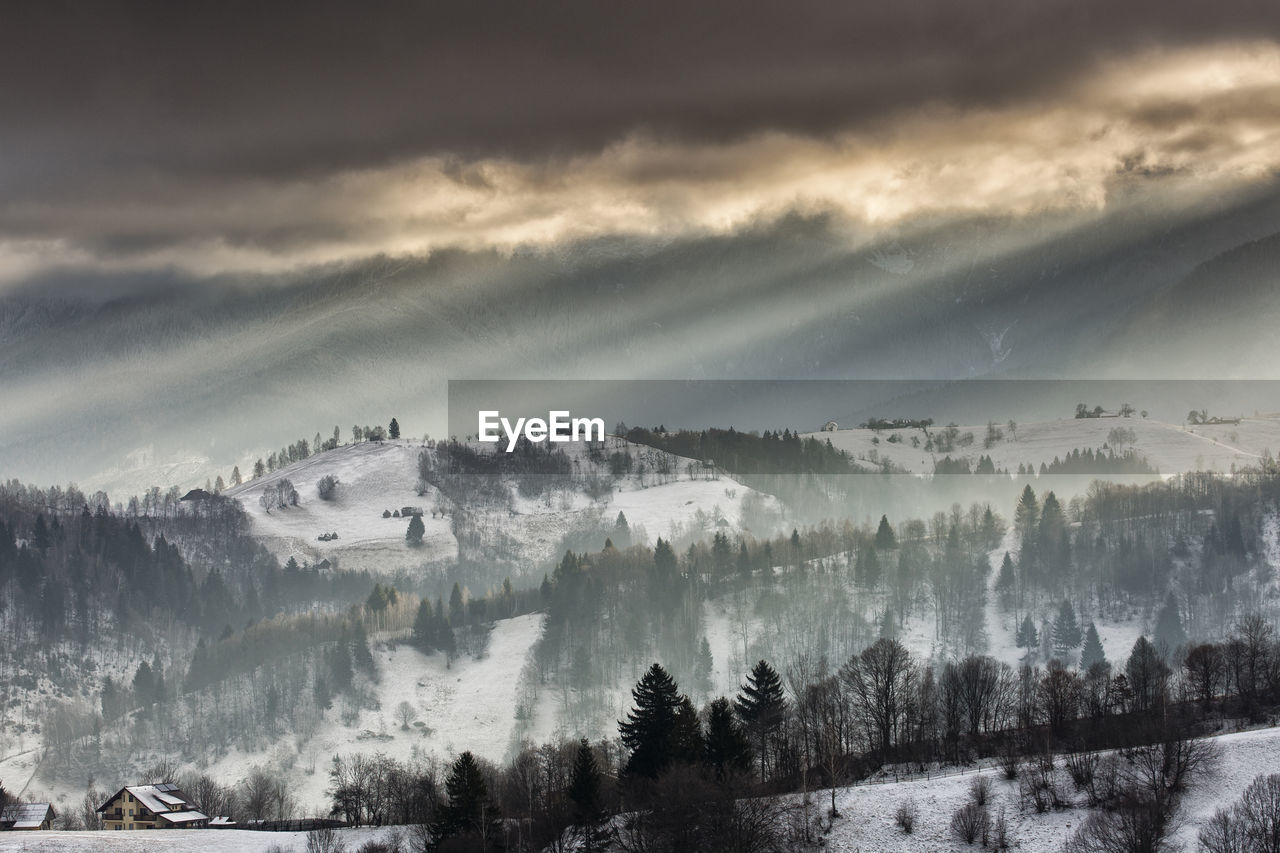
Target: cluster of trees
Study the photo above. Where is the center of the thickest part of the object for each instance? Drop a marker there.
(748, 453)
(281, 494)
(303, 449)
(1126, 410)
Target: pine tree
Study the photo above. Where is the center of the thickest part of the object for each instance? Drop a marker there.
(866, 569)
(726, 746)
(587, 810)
(1026, 520)
(703, 667)
(361, 655)
(236, 479)
(761, 706)
(687, 745)
(1066, 629)
(1007, 578)
(468, 809)
(885, 538)
(413, 536)
(393, 429)
(1028, 638)
(259, 470)
(1169, 634)
(1092, 652)
(424, 627)
(649, 728)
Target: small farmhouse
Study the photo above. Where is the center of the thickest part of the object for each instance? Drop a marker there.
(161, 806)
(27, 817)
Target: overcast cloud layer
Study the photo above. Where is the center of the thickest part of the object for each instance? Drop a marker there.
(225, 225)
(259, 138)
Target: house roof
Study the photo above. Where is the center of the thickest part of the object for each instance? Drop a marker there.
(164, 799)
(26, 815)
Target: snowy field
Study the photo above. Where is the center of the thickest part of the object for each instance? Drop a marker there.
(866, 821)
(375, 477)
(1171, 448)
(466, 706)
(177, 841)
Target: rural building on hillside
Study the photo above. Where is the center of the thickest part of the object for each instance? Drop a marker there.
(151, 807)
(21, 817)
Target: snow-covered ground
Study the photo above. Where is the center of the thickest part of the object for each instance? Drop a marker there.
(375, 477)
(867, 811)
(866, 821)
(1171, 448)
(468, 705)
(178, 840)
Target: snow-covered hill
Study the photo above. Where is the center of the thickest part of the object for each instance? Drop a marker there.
(867, 811)
(1171, 448)
(375, 477)
(866, 820)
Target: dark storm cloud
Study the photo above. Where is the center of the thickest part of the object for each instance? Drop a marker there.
(285, 88)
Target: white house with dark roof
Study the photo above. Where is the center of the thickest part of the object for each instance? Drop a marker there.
(161, 806)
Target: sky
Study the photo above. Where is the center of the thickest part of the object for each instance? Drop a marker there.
(223, 223)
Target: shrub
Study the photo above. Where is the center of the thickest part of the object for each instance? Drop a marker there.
(980, 790)
(327, 486)
(325, 840)
(1000, 833)
(905, 817)
(970, 822)
(1081, 766)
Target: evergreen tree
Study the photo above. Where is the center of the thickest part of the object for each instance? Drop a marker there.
(393, 429)
(144, 684)
(761, 706)
(361, 655)
(1092, 652)
(885, 538)
(424, 627)
(341, 671)
(236, 479)
(259, 469)
(703, 667)
(650, 726)
(413, 536)
(587, 809)
(866, 569)
(1026, 521)
(1066, 629)
(686, 737)
(726, 746)
(1006, 578)
(1028, 638)
(468, 809)
(1169, 635)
